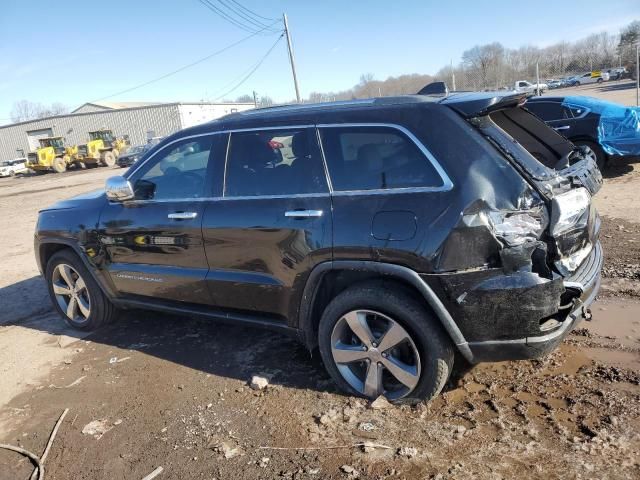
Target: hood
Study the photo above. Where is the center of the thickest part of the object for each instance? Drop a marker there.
(85, 200)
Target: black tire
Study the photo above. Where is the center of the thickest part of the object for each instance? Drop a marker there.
(433, 344)
(601, 156)
(102, 310)
(577, 84)
(600, 80)
(12, 173)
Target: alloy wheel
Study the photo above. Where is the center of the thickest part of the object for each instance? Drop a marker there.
(71, 293)
(375, 354)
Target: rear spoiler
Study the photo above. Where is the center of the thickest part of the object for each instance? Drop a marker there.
(474, 104)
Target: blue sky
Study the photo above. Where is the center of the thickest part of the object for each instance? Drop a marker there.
(63, 52)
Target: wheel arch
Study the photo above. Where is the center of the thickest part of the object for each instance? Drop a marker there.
(330, 278)
(48, 247)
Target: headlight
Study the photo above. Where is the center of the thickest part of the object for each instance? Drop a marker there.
(570, 211)
(519, 226)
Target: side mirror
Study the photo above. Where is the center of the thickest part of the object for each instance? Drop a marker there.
(119, 189)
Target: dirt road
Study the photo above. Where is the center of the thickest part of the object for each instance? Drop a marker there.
(172, 392)
(619, 91)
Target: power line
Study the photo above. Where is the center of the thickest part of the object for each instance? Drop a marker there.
(251, 12)
(234, 21)
(166, 75)
(242, 14)
(252, 71)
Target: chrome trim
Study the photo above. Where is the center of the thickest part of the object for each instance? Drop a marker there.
(447, 184)
(303, 213)
(271, 197)
(226, 157)
(182, 215)
(586, 111)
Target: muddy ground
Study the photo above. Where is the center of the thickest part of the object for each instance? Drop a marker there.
(173, 392)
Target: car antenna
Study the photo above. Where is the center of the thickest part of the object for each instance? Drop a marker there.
(435, 88)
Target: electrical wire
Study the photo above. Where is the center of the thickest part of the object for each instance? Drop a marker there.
(234, 21)
(241, 14)
(184, 67)
(252, 71)
(251, 12)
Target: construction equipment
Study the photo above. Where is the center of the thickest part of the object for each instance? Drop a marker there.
(101, 149)
(53, 155)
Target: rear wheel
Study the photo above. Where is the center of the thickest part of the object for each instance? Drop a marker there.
(75, 294)
(59, 165)
(108, 159)
(600, 80)
(12, 173)
(597, 153)
(379, 341)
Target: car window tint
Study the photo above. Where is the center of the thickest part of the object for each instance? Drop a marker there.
(274, 162)
(372, 158)
(547, 111)
(177, 171)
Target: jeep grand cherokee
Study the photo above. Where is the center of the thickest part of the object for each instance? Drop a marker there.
(389, 233)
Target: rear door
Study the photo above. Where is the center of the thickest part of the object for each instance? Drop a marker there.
(154, 242)
(273, 223)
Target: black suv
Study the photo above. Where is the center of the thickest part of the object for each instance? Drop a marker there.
(390, 233)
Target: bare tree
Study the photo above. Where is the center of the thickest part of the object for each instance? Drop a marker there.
(244, 99)
(24, 110)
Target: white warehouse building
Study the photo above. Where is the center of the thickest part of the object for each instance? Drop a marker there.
(140, 121)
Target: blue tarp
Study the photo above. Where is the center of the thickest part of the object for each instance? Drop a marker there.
(618, 128)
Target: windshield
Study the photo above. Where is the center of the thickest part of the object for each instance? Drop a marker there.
(5, 164)
(57, 142)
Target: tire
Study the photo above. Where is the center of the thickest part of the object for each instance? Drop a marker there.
(59, 165)
(600, 155)
(12, 173)
(427, 352)
(599, 80)
(92, 308)
(577, 84)
(107, 159)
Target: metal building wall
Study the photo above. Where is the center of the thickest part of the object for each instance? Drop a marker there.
(135, 122)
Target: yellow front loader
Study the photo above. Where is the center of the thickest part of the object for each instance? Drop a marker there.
(101, 149)
(52, 156)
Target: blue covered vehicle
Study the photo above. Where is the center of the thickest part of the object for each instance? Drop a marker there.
(606, 128)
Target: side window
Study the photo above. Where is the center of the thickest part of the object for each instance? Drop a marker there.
(575, 111)
(372, 158)
(547, 111)
(274, 162)
(177, 171)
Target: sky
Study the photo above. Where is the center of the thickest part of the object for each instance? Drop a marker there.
(72, 52)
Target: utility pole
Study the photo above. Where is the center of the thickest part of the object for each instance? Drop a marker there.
(291, 58)
(537, 80)
(255, 99)
(453, 77)
(638, 74)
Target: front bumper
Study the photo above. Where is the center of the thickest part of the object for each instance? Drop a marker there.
(587, 281)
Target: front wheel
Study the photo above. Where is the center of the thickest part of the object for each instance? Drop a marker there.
(59, 165)
(376, 340)
(75, 294)
(108, 159)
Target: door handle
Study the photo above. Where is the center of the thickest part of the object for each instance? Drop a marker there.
(303, 213)
(565, 127)
(182, 215)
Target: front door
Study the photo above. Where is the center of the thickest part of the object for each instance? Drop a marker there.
(273, 223)
(154, 242)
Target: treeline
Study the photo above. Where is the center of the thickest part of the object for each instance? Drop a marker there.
(494, 66)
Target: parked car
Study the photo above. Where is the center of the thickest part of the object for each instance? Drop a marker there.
(553, 84)
(591, 77)
(9, 168)
(401, 231)
(527, 87)
(617, 73)
(605, 127)
(132, 155)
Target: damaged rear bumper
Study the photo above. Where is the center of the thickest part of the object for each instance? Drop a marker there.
(587, 281)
